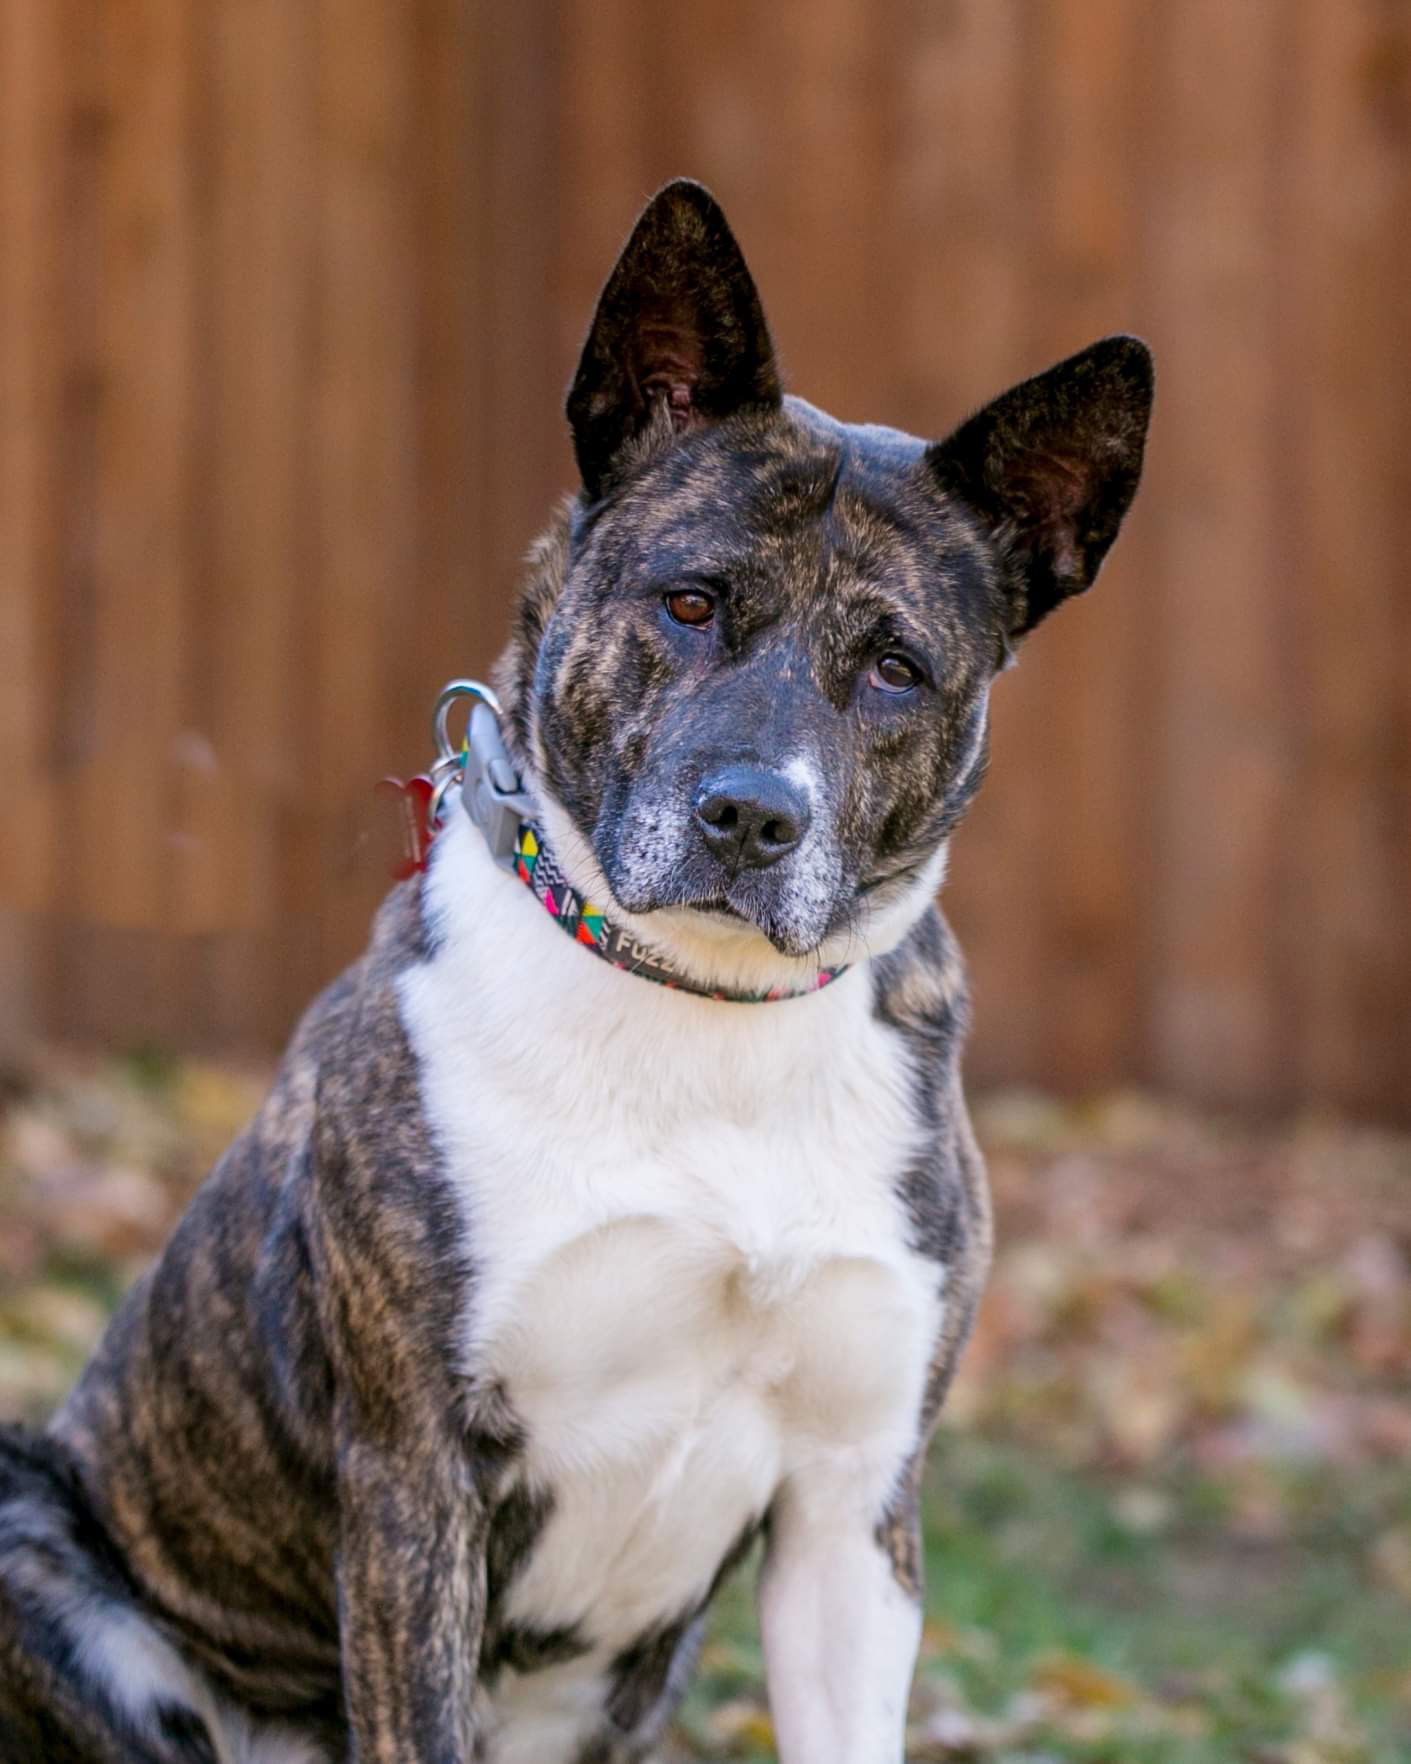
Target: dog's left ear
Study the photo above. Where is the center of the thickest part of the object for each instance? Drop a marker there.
(678, 341)
(1052, 466)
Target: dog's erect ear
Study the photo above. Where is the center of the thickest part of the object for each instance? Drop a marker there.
(679, 335)
(1052, 466)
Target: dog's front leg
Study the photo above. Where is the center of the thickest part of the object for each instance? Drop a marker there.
(411, 1595)
(841, 1620)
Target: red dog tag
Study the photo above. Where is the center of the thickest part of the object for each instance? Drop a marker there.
(414, 803)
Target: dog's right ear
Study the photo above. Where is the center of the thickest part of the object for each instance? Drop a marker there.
(678, 340)
(1052, 467)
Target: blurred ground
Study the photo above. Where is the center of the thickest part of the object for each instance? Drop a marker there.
(1169, 1516)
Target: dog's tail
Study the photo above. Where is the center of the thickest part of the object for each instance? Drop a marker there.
(85, 1676)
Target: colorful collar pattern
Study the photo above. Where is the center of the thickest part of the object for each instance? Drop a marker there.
(537, 868)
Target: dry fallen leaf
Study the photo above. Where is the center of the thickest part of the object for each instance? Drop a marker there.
(1068, 1678)
(741, 1722)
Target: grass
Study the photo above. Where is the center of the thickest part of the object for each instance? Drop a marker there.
(1079, 1617)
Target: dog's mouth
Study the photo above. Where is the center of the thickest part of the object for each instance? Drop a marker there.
(727, 915)
(740, 907)
(719, 908)
(747, 908)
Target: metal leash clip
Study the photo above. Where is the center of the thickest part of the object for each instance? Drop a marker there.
(491, 790)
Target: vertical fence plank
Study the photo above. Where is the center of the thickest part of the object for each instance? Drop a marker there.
(1133, 584)
(29, 352)
(525, 454)
(1218, 780)
(31, 121)
(715, 126)
(1348, 430)
(242, 704)
(144, 438)
(454, 422)
(601, 151)
(1091, 742)
(1393, 1026)
(242, 743)
(121, 632)
(68, 580)
(362, 435)
(818, 208)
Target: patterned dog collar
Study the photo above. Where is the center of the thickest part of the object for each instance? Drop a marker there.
(587, 924)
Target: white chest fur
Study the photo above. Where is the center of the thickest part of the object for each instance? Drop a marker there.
(692, 1272)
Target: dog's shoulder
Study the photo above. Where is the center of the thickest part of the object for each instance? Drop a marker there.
(920, 991)
(346, 1125)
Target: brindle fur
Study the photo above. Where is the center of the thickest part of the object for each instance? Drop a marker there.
(275, 1454)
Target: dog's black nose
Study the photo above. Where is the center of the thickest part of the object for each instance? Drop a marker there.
(750, 817)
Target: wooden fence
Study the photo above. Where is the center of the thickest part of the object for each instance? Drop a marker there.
(289, 291)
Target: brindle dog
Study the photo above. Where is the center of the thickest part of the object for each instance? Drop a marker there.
(536, 1292)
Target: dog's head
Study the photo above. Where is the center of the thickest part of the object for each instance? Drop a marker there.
(751, 670)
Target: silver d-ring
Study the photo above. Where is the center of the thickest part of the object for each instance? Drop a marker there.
(449, 693)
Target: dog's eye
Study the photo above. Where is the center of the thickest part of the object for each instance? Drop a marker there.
(690, 606)
(894, 673)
